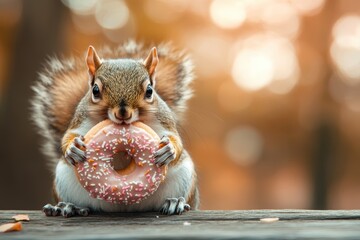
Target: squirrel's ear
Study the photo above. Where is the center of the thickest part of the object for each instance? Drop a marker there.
(92, 60)
(151, 61)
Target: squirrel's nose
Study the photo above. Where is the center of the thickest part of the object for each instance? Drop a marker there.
(124, 111)
(123, 114)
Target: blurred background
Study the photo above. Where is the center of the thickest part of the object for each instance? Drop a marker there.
(275, 120)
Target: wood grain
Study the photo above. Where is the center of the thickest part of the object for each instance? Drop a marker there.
(304, 224)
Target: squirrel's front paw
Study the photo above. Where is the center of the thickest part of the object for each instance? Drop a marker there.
(166, 152)
(65, 209)
(76, 151)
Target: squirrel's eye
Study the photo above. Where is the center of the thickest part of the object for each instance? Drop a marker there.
(96, 91)
(149, 91)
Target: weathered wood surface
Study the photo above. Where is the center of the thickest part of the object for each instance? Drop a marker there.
(293, 224)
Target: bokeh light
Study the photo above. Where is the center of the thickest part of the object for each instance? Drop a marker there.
(227, 13)
(123, 34)
(208, 50)
(281, 17)
(81, 7)
(254, 9)
(308, 7)
(266, 60)
(112, 14)
(244, 145)
(107, 16)
(252, 69)
(345, 48)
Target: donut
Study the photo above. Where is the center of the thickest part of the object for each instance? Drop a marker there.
(108, 142)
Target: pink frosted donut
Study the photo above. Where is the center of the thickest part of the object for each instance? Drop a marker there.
(135, 143)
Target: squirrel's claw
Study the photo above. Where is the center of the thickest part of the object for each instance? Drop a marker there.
(165, 154)
(79, 142)
(175, 206)
(75, 152)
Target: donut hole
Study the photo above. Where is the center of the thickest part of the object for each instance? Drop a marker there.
(123, 163)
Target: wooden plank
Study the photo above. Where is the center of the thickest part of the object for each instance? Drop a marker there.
(305, 224)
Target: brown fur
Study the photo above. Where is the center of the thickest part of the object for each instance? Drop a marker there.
(178, 148)
(67, 140)
(66, 99)
(125, 76)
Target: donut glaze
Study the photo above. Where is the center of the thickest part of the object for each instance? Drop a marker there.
(135, 143)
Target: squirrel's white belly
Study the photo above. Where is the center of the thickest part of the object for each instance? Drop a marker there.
(177, 184)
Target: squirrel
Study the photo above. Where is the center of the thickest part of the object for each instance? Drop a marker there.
(73, 95)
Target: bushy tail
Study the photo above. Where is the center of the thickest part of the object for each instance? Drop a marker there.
(57, 93)
(59, 90)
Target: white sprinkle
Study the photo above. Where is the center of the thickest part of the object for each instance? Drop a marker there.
(269, 220)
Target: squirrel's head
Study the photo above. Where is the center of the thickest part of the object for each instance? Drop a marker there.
(121, 89)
